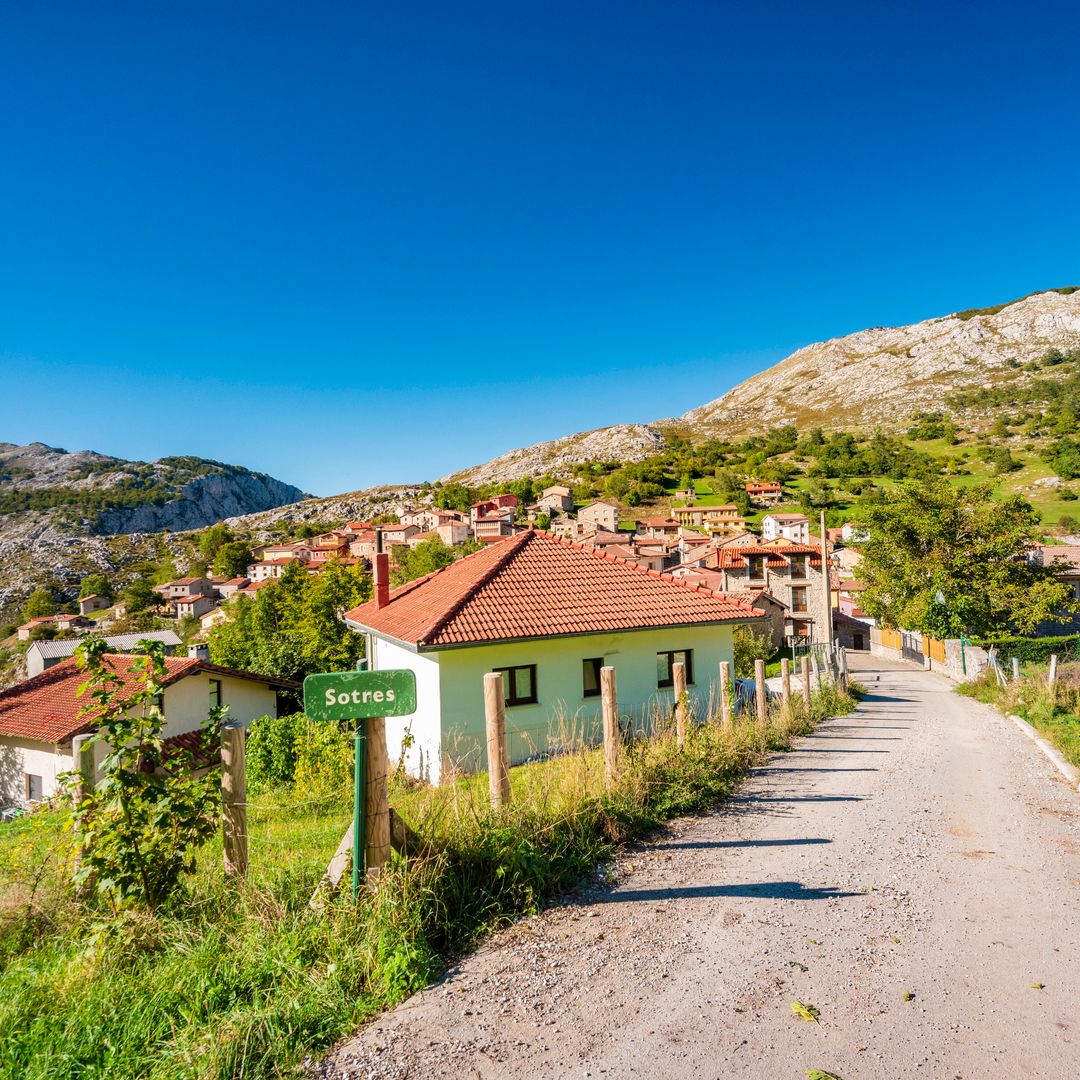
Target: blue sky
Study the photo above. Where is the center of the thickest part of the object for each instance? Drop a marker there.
(355, 243)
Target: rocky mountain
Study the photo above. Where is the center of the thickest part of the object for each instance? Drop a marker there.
(883, 375)
(62, 513)
(873, 378)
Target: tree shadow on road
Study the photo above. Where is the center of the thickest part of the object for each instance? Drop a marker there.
(766, 890)
(794, 841)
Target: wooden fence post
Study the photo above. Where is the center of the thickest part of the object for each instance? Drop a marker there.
(234, 800)
(785, 683)
(1052, 677)
(1016, 668)
(806, 681)
(498, 753)
(612, 736)
(842, 658)
(759, 694)
(725, 693)
(377, 796)
(678, 678)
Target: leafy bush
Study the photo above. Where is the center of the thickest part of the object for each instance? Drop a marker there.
(1032, 650)
(750, 645)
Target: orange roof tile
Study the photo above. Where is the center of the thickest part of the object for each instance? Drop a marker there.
(535, 585)
(46, 708)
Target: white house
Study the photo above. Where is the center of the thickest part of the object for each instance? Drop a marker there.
(793, 527)
(39, 717)
(548, 614)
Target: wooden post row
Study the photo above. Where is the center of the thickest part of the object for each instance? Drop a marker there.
(759, 692)
(725, 693)
(377, 796)
(234, 800)
(609, 700)
(498, 752)
(785, 683)
(805, 663)
(678, 678)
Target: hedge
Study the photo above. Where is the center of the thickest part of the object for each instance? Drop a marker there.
(1032, 650)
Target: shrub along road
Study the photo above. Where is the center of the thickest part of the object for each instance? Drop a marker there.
(911, 871)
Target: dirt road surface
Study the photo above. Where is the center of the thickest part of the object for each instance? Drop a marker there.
(911, 871)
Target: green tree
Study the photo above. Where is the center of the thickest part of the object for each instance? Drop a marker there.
(95, 585)
(750, 645)
(232, 559)
(947, 561)
(425, 558)
(140, 596)
(39, 603)
(139, 827)
(212, 539)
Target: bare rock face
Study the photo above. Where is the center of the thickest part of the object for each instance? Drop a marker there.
(882, 376)
(623, 442)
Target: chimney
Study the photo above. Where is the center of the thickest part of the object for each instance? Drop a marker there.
(198, 651)
(382, 579)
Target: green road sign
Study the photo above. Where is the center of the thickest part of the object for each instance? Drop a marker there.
(356, 695)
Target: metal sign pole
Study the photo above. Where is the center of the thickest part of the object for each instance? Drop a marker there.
(359, 801)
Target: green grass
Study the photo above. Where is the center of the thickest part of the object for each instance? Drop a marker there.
(1056, 716)
(245, 980)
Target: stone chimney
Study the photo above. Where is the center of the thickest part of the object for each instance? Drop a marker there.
(198, 650)
(382, 579)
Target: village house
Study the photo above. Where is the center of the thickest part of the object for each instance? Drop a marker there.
(553, 500)
(601, 515)
(423, 517)
(659, 528)
(214, 616)
(363, 544)
(397, 534)
(267, 569)
(790, 572)
(328, 546)
(1065, 560)
(547, 614)
(39, 717)
(192, 607)
(849, 592)
(42, 655)
(415, 541)
(187, 586)
(793, 527)
(274, 553)
(764, 492)
(493, 527)
(716, 520)
(232, 585)
(775, 622)
(89, 604)
(489, 507)
(452, 531)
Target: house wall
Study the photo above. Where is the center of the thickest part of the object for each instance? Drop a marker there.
(423, 758)
(21, 756)
(562, 710)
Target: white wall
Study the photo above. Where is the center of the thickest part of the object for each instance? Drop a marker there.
(21, 756)
(562, 711)
(424, 757)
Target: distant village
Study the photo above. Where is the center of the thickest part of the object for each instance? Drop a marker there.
(778, 570)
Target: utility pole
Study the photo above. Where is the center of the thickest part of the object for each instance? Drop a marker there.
(828, 585)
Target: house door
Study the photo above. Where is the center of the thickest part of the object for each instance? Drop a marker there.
(859, 642)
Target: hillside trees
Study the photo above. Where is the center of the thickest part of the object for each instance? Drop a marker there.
(294, 626)
(38, 604)
(412, 563)
(232, 558)
(95, 585)
(949, 561)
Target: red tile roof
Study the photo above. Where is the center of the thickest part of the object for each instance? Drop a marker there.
(46, 708)
(535, 585)
(733, 558)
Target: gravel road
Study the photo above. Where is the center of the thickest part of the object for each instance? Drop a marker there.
(912, 871)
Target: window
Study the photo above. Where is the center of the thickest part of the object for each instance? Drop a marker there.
(798, 598)
(519, 684)
(664, 660)
(215, 693)
(798, 566)
(756, 565)
(33, 787)
(590, 676)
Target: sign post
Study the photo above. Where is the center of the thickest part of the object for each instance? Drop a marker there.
(360, 696)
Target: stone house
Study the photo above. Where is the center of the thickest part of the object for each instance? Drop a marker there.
(602, 515)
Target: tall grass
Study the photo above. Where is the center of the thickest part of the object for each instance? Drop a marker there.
(1054, 712)
(246, 980)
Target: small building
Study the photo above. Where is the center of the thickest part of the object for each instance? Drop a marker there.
(487, 507)
(39, 717)
(231, 586)
(492, 527)
(601, 515)
(452, 532)
(793, 527)
(397, 534)
(660, 528)
(193, 607)
(554, 500)
(266, 570)
(89, 604)
(722, 520)
(764, 492)
(187, 586)
(547, 614)
(42, 655)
